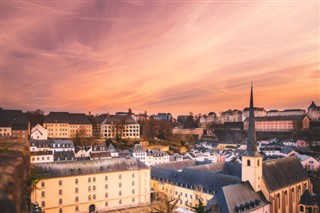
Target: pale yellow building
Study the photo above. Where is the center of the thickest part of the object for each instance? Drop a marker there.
(122, 126)
(189, 182)
(67, 125)
(92, 186)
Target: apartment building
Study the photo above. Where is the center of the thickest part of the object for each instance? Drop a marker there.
(67, 125)
(280, 123)
(258, 112)
(122, 126)
(286, 112)
(13, 124)
(231, 116)
(90, 186)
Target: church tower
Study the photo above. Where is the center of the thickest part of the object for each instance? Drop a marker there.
(252, 160)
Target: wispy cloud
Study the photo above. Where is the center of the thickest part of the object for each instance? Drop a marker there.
(159, 56)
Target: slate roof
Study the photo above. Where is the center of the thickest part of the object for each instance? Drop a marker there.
(111, 148)
(138, 148)
(57, 117)
(238, 197)
(313, 106)
(306, 199)
(282, 172)
(209, 182)
(177, 165)
(63, 155)
(49, 143)
(14, 119)
(100, 155)
(227, 168)
(118, 119)
(66, 117)
(292, 110)
(286, 149)
(74, 168)
(254, 108)
(41, 153)
(78, 118)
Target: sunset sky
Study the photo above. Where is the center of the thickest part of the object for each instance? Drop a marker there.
(159, 56)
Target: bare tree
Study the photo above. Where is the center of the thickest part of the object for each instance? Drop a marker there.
(166, 205)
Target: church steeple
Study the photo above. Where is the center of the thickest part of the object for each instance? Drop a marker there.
(252, 160)
(252, 138)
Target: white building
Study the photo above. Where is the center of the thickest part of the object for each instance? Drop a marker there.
(53, 145)
(38, 132)
(139, 153)
(41, 157)
(258, 112)
(156, 157)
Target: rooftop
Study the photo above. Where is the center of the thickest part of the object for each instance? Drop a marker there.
(74, 168)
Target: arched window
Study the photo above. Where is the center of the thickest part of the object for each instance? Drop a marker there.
(89, 197)
(77, 199)
(60, 191)
(248, 162)
(258, 162)
(76, 181)
(43, 194)
(106, 203)
(76, 190)
(301, 208)
(60, 182)
(43, 204)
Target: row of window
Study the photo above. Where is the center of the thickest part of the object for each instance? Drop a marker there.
(43, 203)
(38, 158)
(127, 135)
(93, 180)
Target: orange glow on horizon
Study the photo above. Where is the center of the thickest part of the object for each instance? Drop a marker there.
(178, 57)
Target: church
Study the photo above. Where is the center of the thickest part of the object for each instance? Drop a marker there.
(281, 183)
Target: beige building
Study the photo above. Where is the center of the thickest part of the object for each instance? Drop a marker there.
(231, 116)
(286, 112)
(92, 186)
(67, 125)
(123, 126)
(258, 112)
(314, 112)
(280, 123)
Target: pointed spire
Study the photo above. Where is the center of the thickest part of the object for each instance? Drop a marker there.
(251, 145)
